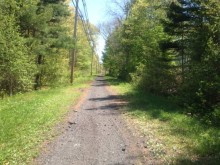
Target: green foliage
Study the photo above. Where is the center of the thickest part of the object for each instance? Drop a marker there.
(171, 136)
(200, 91)
(28, 119)
(170, 48)
(16, 67)
(35, 44)
(133, 50)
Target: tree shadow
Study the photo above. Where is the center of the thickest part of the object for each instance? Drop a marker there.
(109, 107)
(152, 104)
(164, 109)
(199, 161)
(113, 81)
(99, 85)
(112, 104)
(108, 98)
(100, 80)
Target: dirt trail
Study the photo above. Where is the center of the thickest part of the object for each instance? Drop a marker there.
(96, 134)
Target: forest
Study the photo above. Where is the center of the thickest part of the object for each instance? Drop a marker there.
(162, 77)
(169, 48)
(36, 44)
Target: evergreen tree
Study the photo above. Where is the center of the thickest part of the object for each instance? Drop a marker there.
(194, 36)
(41, 23)
(16, 68)
(202, 85)
(39, 34)
(181, 20)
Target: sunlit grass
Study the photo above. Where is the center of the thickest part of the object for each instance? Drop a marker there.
(171, 135)
(26, 120)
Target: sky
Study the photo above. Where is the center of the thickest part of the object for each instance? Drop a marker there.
(97, 13)
(97, 10)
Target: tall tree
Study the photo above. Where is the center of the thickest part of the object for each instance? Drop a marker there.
(16, 68)
(202, 85)
(41, 24)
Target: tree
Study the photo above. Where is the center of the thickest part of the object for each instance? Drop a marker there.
(34, 45)
(202, 85)
(171, 50)
(16, 68)
(134, 47)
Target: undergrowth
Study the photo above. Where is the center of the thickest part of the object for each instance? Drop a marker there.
(171, 135)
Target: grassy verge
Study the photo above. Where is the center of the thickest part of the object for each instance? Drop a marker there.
(27, 120)
(171, 136)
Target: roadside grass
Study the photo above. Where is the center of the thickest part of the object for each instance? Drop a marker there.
(171, 136)
(27, 120)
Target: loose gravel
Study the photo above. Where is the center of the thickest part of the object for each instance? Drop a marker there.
(96, 134)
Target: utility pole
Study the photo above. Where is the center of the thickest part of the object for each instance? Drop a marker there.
(97, 62)
(92, 61)
(75, 41)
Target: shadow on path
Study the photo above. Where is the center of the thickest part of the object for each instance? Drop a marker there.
(108, 98)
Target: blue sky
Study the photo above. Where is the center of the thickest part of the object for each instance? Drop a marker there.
(97, 12)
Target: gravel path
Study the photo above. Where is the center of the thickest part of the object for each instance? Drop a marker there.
(95, 135)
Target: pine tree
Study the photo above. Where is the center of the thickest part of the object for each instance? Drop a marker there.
(181, 19)
(16, 69)
(41, 23)
(202, 85)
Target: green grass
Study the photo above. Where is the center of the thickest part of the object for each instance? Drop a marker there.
(171, 136)
(27, 120)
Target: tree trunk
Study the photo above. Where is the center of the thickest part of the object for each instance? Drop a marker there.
(38, 75)
(11, 87)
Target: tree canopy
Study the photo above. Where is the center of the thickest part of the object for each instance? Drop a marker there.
(170, 48)
(35, 43)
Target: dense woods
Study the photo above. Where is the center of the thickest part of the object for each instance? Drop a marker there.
(163, 58)
(170, 48)
(36, 39)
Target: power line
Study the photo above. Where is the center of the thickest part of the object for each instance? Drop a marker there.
(75, 41)
(86, 24)
(87, 17)
(87, 29)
